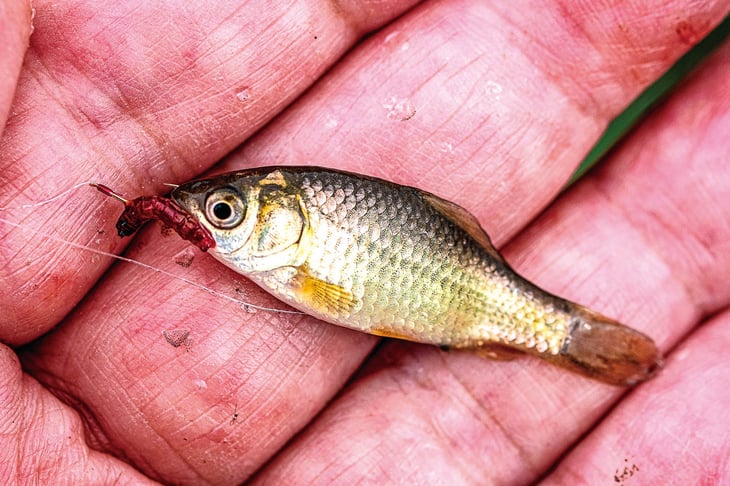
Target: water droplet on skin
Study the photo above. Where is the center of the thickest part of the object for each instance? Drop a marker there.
(391, 36)
(331, 122)
(243, 95)
(400, 109)
(446, 147)
(494, 87)
(201, 384)
(395, 38)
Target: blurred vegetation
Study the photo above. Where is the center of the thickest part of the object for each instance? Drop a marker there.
(651, 97)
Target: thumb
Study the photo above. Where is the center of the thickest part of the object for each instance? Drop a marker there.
(42, 439)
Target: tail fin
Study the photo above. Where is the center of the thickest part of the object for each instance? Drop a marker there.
(605, 350)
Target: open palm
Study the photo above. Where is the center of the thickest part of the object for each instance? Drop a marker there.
(488, 104)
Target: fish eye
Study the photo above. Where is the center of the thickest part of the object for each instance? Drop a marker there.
(224, 208)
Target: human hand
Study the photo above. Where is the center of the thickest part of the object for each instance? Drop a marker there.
(490, 108)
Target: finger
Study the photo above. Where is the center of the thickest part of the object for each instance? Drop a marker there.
(644, 240)
(673, 430)
(495, 121)
(42, 440)
(273, 373)
(135, 96)
(15, 17)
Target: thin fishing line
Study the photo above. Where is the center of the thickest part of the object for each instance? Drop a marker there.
(150, 267)
(48, 201)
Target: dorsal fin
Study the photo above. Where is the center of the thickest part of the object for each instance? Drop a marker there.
(465, 220)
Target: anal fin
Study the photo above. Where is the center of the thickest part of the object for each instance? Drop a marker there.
(497, 352)
(388, 333)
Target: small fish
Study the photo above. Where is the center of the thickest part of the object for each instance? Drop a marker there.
(399, 262)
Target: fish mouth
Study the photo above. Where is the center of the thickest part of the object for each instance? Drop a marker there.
(188, 198)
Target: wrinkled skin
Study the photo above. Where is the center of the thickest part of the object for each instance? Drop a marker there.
(491, 106)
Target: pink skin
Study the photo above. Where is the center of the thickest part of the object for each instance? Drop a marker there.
(484, 103)
(15, 17)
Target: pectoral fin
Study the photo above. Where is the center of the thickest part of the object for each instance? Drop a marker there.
(324, 297)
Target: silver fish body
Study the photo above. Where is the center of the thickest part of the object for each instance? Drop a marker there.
(396, 261)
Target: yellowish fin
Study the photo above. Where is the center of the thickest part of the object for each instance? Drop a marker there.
(324, 297)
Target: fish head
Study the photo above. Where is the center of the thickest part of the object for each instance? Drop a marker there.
(257, 219)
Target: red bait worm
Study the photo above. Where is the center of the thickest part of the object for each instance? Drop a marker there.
(147, 208)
